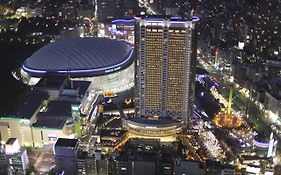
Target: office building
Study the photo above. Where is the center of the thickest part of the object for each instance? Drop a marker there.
(4, 166)
(44, 114)
(165, 66)
(17, 157)
(191, 166)
(65, 151)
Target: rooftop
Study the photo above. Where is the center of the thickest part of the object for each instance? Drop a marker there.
(79, 57)
(50, 82)
(56, 123)
(66, 142)
(30, 104)
(57, 109)
(143, 156)
(11, 141)
(116, 123)
(81, 86)
(55, 116)
(112, 133)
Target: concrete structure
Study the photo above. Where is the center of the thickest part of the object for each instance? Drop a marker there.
(165, 66)
(19, 162)
(17, 157)
(273, 67)
(138, 165)
(19, 124)
(4, 166)
(189, 167)
(272, 105)
(142, 165)
(152, 128)
(65, 151)
(112, 139)
(43, 114)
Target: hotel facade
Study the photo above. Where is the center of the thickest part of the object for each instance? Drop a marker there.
(165, 66)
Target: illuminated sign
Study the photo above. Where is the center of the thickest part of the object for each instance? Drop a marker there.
(75, 112)
(150, 127)
(74, 108)
(112, 70)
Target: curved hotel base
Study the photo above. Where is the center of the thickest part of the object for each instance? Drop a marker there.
(152, 128)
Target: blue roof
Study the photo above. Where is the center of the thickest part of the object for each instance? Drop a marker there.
(79, 57)
(129, 22)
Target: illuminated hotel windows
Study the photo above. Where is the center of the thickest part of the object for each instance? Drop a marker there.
(165, 70)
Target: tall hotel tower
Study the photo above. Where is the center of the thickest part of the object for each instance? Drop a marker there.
(165, 66)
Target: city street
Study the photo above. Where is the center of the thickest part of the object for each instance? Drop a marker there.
(255, 116)
(242, 105)
(41, 159)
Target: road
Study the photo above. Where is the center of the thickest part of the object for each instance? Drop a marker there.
(255, 118)
(189, 146)
(45, 161)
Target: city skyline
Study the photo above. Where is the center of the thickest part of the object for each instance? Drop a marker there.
(155, 87)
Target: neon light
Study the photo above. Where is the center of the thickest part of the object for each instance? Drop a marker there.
(175, 17)
(261, 144)
(32, 70)
(11, 118)
(150, 21)
(151, 127)
(154, 19)
(178, 22)
(123, 20)
(195, 18)
(230, 101)
(117, 32)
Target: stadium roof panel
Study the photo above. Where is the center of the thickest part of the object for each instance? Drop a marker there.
(80, 57)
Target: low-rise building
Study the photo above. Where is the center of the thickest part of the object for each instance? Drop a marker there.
(45, 112)
(19, 124)
(189, 167)
(65, 151)
(4, 166)
(17, 157)
(273, 101)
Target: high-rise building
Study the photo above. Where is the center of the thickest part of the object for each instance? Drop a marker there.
(166, 62)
